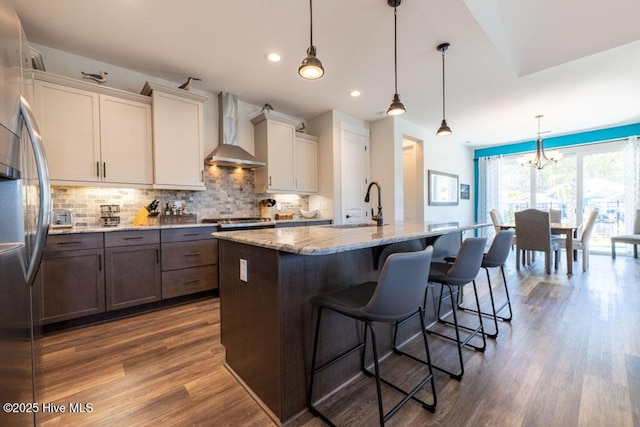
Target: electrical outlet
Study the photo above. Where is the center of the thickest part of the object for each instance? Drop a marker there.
(278, 206)
(243, 270)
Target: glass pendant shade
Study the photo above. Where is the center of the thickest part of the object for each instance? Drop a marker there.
(311, 67)
(396, 108)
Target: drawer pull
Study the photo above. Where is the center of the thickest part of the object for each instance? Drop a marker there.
(189, 234)
(134, 238)
(74, 242)
(194, 254)
(190, 282)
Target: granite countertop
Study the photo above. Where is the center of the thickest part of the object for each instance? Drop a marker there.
(327, 239)
(103, 229)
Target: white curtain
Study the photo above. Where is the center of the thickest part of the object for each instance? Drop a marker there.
(632, 181)
(488, 188)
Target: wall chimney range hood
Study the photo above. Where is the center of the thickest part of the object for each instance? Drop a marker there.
(228, 152)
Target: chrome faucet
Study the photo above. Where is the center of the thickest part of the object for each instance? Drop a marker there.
(377, 218)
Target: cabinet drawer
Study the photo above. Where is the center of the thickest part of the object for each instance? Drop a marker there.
(182, 282)
(187, 234)
(130, 238)
(69, 242)
(189, 254)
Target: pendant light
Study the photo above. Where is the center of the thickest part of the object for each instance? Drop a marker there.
(311, 67)
(444, 127)
(396, 108)
(540, 159)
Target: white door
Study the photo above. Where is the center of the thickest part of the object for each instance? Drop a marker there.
(354, 173)
(409, 181)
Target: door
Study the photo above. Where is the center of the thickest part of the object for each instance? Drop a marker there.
(354, 155)
(409, 182)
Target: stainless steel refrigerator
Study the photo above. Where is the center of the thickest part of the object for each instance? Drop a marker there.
(25, 206)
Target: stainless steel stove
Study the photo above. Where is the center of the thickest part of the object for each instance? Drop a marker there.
(244, 223)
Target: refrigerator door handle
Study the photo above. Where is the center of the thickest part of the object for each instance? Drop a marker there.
(44, 213)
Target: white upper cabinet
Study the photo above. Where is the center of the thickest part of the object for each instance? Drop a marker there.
(291, 158)
(91, 137)
(306, 163)
(177, 138)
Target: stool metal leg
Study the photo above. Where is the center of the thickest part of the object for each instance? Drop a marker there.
(494, 314)
(376, 374)
(472, 332)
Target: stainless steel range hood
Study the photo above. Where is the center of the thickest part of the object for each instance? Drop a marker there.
(228, 152)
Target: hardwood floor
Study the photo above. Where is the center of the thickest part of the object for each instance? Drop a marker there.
(570, 357)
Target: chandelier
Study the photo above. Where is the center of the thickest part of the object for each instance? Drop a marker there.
(540, 158)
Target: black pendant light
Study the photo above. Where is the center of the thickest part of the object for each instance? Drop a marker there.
(311, 67)
(396, 108)
(444, 127)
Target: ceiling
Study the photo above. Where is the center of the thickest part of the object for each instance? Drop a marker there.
(577, 62)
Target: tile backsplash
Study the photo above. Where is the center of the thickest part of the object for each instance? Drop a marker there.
(229, 193)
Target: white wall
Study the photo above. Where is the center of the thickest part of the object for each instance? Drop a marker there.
(439, 154)
(327, 128)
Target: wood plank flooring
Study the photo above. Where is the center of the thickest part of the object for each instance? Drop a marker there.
(570, 357)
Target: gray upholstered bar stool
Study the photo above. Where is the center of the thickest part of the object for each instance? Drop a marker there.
(494, 258)
(464, 269)
(395, 296)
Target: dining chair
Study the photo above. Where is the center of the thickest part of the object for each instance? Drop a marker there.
(534, 234)
(633, 239)
(581, 242)
(496, 219)
(555, 215)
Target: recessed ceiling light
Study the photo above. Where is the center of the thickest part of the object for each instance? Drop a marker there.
(354, 93)
(273, 57)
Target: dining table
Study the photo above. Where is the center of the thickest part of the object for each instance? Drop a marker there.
(559, 228)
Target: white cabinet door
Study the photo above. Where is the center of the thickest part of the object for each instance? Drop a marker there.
(281, 137)
(69, 120)
(126, 141)
(306, 164)
(177, 137)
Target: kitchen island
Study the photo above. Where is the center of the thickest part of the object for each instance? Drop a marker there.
(267, 280)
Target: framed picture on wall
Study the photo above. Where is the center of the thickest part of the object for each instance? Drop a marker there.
(465, 191)
(443, 189)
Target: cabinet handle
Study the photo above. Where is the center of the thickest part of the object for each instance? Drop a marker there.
(202, 175)
(104, 169)
(73, 242)
(157, 256)
(190, 282)
(98, 169)
(193, 254)
(99, 262)
(189, 234)
(134, 238)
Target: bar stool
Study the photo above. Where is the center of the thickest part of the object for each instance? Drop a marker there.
(395, 296)
(496, 257)
(464, 269)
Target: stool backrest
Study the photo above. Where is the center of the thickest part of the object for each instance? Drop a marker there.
(468, 261)
(499, 250)
(400, 289)
(636, 224)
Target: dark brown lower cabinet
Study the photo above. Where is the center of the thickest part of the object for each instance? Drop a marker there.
(70, 281)
(132, 269)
